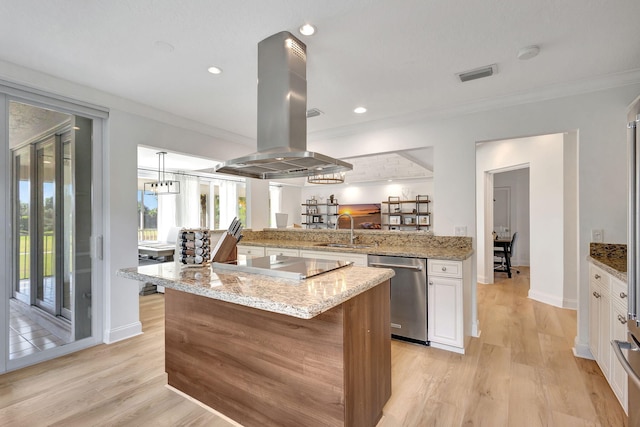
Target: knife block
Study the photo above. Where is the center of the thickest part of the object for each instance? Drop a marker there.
(225, 249)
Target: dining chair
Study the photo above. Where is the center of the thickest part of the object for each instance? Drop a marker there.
(505, 253)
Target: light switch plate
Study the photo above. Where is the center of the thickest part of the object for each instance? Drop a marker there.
(460, 230)
(597, 235)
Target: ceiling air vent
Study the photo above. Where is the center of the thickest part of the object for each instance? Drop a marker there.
(313, 112)
(478, 73)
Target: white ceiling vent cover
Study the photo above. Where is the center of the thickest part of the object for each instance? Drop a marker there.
(313, 112)
(478, 73)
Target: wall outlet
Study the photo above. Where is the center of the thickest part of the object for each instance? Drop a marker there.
(460, 230)
(597, 235)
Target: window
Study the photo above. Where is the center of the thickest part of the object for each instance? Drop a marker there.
(204, 201)
(147, 213)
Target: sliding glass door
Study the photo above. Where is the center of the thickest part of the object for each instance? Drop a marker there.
(52, 223)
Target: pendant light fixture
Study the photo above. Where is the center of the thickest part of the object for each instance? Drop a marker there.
(327, 178)
(162, 186)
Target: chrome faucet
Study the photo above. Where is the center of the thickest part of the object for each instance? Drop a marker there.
(352, 239)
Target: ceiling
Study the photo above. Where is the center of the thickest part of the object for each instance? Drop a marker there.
(395, 58)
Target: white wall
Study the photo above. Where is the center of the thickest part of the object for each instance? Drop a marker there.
(290, 203)
(571, 242)
(258, 210)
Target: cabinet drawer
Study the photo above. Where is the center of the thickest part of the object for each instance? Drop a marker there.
(619, 292)
(281, 251)
(359, 260)
(597, 275)
(250, 251)
(443, 268)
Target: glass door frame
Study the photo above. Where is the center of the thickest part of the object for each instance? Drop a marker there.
(14, 92)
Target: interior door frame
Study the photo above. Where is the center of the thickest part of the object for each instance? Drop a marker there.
(10, 91)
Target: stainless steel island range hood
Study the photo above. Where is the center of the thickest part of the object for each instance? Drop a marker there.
(282, 117)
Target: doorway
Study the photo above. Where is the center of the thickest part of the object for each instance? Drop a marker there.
(552, 162)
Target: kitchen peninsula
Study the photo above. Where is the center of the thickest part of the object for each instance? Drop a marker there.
(271, 351)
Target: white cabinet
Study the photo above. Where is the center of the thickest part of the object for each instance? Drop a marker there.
(607, 321)
(600, 318)
(281, 251)
(445, 311)
(250, 251)
(359, 260)
(449, 285)
(618, 376)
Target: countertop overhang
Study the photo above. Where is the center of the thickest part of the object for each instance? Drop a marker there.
(304, 299)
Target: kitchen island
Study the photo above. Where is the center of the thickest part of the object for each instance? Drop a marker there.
(267, 351)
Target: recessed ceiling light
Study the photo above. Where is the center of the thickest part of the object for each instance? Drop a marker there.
(214, 70)
(307, 30)
(360, 110)
(528, 52)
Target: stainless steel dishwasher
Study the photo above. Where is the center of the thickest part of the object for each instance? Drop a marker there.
(408, 296)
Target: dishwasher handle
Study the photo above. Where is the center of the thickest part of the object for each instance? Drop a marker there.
(618, 346)
(409, 267)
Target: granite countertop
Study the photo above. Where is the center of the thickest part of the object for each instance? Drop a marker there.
(304, 299)
(611, 257)
(445, 253)
(613, 266)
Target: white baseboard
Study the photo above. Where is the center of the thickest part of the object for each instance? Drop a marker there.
(582, 350)
(554, 300)
(447, 347)
(122, 332)
(546, 298)
(483, 280)
(475, 329)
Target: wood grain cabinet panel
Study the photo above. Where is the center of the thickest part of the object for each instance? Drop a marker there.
(266, 369)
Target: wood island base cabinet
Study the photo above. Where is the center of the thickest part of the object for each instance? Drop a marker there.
(266, 369)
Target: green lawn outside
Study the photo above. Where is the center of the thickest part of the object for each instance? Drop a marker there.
(24, 256)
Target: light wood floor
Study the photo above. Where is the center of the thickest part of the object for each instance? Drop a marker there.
(520, 372)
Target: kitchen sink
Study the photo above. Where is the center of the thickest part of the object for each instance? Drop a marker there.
(343, 245)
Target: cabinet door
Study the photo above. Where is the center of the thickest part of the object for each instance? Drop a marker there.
(445, 311)
(618, 375)
(605, 335)
(595, 295)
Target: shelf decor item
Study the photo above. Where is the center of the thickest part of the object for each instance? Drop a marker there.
(395, 219)
(408, 220)
(423, 220)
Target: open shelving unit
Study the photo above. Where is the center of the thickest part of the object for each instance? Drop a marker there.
(406, 215)
(320, 215)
